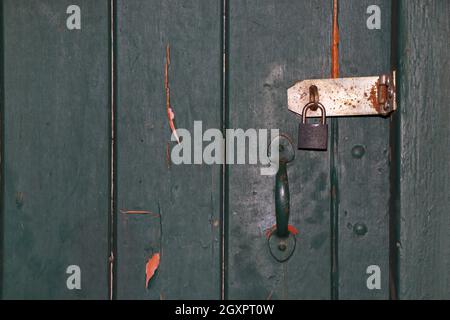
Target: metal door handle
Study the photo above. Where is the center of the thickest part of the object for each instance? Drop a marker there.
(280, 240)
(282, 200)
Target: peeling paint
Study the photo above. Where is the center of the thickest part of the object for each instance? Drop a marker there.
(335, 43)
(139, 212)
(293, 230)
(151, 267)
(170, 113)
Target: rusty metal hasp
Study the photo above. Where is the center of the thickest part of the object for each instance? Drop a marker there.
(359, 96)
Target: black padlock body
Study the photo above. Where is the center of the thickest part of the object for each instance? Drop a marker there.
(312, 136)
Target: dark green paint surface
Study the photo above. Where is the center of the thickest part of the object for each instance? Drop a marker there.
(362, 159)
(56, 110)
(271, 47)
(186, 196)
(424, 147)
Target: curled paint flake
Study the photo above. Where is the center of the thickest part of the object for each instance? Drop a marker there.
(292, 229)
(150, 268)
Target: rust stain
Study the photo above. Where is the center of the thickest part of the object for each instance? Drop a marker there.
(170, 113)
(150, 268)
(349, 103)
(335, 42)
(373, 98)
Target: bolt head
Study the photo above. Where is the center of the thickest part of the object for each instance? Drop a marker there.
(282, 246)
(358, 151)
(360, 229)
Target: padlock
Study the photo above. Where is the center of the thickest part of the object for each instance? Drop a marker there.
(313, 136)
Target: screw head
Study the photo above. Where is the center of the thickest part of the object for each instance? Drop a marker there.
(360, 229)
(358, 151)
(282, 246)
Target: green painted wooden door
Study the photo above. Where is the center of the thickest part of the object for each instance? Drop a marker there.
(88, 179)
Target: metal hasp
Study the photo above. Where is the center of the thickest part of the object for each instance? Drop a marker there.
(359, 96)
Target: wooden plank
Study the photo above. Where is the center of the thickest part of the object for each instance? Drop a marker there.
(424, 79)
(186, 196)
(362, 158)
(56, 110)
(273, 44)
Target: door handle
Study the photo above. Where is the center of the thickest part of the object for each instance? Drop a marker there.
(281, 240)
(282, 199)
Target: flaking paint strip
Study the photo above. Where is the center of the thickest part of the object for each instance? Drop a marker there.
(143, 212)
(335, 42)
(170, 113)
(151, 267)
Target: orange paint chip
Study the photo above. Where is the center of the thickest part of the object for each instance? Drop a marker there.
(151, 267)
(292, 229)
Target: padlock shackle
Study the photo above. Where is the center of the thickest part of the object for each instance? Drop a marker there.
(309, 105)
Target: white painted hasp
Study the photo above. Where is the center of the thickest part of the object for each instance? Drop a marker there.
(357, 96)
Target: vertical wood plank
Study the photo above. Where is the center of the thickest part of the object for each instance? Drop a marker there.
(186, 196)
(2, 150)
(56, 107)
(424, 79)
(272, 45)
(362, 158)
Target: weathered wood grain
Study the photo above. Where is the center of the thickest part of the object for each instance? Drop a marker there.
(272, 45)
(362, 158)
(56, 107)
(186, 196)
(424, 79)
